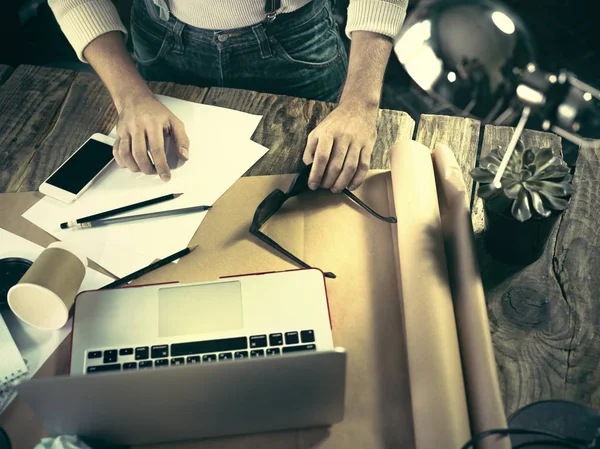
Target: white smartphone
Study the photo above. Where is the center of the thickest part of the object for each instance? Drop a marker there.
(77, 173)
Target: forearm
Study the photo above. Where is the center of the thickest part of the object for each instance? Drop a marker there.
(111, 61)
(369, 55)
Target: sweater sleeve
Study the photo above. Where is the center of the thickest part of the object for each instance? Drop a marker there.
(378, 16)
(82, 21)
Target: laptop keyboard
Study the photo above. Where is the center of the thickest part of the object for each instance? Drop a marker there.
(207, 351)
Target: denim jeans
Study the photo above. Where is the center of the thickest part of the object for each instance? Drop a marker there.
(299, 54)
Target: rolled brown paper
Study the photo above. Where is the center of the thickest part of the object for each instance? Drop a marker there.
(481, 378)
(440, 413)
(44, 295)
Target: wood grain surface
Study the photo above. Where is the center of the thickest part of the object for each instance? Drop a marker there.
(576, 265)
(543, 317)
(5, 72)
(189, 93)
(461, 134)
(79, 105)
(287, 121)
(29, 104)
(86, 109)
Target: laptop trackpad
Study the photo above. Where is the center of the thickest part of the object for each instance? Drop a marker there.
(200, 309)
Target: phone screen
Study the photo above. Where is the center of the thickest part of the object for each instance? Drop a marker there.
(82, 167)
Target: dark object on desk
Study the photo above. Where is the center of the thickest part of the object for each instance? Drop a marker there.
(153, 266)
(164, 213)
(12, 270)
(569, 419)
(4, 440)
(120, 210)
(273, 202)
(515, 243)
(547, 425)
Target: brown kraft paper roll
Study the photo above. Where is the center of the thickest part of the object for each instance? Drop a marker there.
(440, 413)
(486, 410)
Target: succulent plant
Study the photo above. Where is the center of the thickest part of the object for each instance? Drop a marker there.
(536, 182)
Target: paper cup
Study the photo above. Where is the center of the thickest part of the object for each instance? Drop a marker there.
(46, 292)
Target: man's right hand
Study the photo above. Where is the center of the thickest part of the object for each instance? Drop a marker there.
(143, 121)
(143, 125)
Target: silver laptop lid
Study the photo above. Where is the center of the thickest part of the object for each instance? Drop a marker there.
(194, 401)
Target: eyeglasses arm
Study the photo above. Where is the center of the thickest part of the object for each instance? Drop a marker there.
(358, 201)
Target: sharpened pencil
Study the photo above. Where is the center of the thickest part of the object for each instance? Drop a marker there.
(163, 213)
(120, 210)
(153, 266)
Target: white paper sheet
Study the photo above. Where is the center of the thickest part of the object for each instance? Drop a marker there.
(218, 121)
(219, 154)
(36, 345)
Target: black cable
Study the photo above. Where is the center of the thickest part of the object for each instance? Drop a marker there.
(574, 442)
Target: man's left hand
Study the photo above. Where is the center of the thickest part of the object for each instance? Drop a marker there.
(340, 147)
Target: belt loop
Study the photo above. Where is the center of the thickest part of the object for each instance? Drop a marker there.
(263, 41)
(164, 12)
(178, 47)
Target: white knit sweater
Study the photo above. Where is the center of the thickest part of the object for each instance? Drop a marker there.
(84, 20)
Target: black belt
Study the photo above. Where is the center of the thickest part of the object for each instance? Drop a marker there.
(271, 7)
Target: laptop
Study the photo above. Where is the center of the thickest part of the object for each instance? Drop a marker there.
(174, 362)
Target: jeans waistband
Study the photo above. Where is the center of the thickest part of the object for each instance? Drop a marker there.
(159, 11)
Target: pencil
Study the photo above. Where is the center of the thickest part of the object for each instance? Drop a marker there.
(164, 213)
(153, 266)
(120, 210)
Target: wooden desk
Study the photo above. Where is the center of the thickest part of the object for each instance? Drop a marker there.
(5, 72)
(543, 317)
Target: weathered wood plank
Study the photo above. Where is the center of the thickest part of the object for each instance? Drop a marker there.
(529, 318)
(287, 122)
(461, 134)
(87, 109)
(183, 92)
(29, 103)
(5, 72)
(391, 126)
(576, 264)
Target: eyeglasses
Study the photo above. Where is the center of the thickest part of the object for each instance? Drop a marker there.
(273, 202)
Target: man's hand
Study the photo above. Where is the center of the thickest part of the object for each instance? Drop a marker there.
(143, 120)
(340, 148)
(142, 127)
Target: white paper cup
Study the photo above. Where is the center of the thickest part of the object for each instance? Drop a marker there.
(46, 292)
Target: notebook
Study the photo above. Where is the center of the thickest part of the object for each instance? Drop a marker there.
(12, 366)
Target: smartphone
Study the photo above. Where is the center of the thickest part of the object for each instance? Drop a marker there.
(77, 173)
